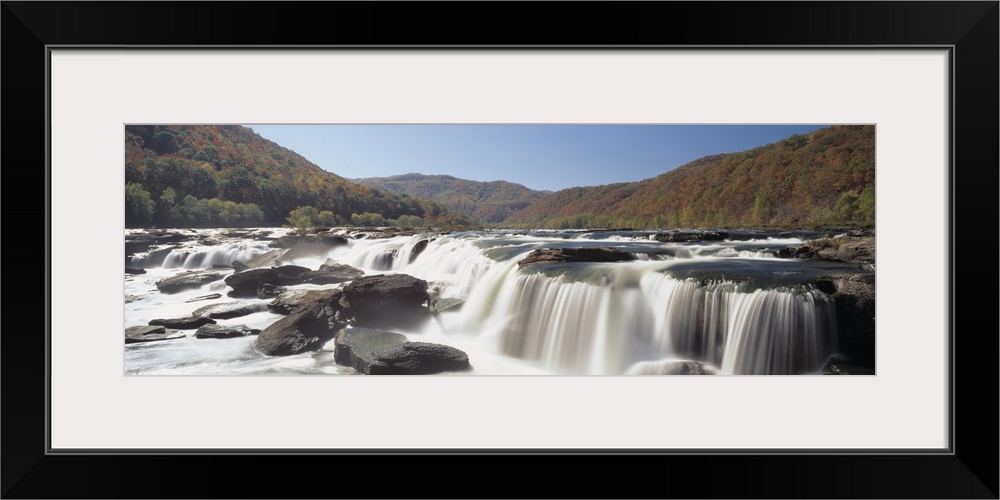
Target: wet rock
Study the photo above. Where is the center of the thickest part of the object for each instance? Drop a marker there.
(205, 297)
(247, 283)
(291, 270)
(386, 301)
(291, 300)
(224, 332)
(354, 347)
(267, 259)
(187, 281)
(854, 303)
(229, 310)
(418, 248)
(588, 254)
(300, 246)
(449, 304)
(329, 274)
(306, 329)
(833, 368)
(686, 236)
(268, 291)
(189, 323)
(136, 334)
(420, 358)
(137, 245)
(239, 266)
(156, 257)
(132, 270)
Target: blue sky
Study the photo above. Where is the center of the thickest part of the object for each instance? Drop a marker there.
(548, 157)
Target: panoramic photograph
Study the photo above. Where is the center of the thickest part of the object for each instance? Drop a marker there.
(499, 250)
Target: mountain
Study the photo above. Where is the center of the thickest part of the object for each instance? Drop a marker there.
(197, 175)
(489, 202)
(825, 177)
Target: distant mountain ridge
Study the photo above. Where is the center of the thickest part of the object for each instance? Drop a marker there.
(489, 202)
(825, 177)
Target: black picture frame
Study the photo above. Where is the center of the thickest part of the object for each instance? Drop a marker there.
(969, 470)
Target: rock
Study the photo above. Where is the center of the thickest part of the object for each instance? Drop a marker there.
(245, 284)
(330, 275)
(224, 332)
(588, 254)
(291, 270)
(222, 266)
(307, 246)
(418, 247)
(291, 300)
(229, 310)
(856, 250)
(420, 358)
(832, 368)
(189, 323)
(449, 304)
(132, 270)
(135, 246)
(685, 236)
(671, 367)
(266, 259)
(156, 257)
(798, 252)
(134, 334)
(267, 291)
(354, 348)
(187, 281)
(239, 266)
(307, 328)
(204, 297)
(854, 303)
(386, 301)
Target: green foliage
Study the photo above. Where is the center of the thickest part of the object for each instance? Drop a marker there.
(139, 205)
(326, 218)
(303, 218)
(866, 205)
(846, 205)
(763, 211)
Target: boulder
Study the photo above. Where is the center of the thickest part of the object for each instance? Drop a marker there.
(685, 236)
(354, 348)
(239, 266)
(330, 275)
(449, 304)
(420, 358)
(134, 334)
(137, 245)
(386, 301)
(307, 246)
(189, 323)
(229, 310)
(833, 368)
(292, 300)
(267, 259)
(224, 332)
(132, 270)
(305, 329)
(245, 284)
(854, 305)
(587, 254)
(204, 297)
(418, 248)
(269, 291)
(187, 281)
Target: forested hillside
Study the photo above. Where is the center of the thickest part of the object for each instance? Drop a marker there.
(823, 178)
(489, 202)
(202, 176)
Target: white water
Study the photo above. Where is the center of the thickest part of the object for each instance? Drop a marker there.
(598, 319)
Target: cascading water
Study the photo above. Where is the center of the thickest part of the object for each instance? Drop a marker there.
(643, 316)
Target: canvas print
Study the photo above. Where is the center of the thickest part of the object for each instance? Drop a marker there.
(499, 250)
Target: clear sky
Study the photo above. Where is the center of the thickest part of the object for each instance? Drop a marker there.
(548, 157)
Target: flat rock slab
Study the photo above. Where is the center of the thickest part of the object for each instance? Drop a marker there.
(229, 310)
(685, 236)
(355, 347)
(135, 334)
(292, 300)
(421, 358)
(449, 304)
(587, 254)
(266, 259)
(189, 323)
(187, 281)
(224, 332)
(205, 297)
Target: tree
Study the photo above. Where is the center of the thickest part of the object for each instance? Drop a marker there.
(846, 205)
(866, 204)
(139, 205)
(303, 218)
(762, 209)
